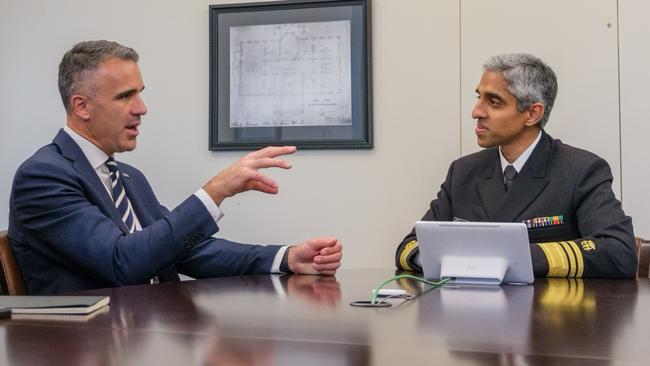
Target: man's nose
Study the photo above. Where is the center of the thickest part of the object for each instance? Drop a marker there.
(478, 111)
(139, 108)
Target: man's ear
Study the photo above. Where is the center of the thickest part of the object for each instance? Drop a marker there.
(79, 106)
(535, 113)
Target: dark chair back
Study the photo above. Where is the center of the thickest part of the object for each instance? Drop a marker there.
(643, 252)
(11, 279)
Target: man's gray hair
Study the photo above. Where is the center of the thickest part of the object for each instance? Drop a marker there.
(529, 80)
(77, 66)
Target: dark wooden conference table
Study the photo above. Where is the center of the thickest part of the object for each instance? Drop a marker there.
(307, 320)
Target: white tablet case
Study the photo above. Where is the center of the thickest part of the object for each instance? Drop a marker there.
(484, 253)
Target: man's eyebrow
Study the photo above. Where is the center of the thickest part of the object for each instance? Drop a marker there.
(492, 95)
(128, 93)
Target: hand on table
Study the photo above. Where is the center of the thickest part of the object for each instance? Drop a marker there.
(315, 256)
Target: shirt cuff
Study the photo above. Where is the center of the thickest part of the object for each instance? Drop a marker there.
(275, 267)
(209, 204)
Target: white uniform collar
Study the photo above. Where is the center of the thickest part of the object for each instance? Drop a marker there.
(521, 160)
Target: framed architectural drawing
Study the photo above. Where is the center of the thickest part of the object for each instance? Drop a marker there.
(290, 73)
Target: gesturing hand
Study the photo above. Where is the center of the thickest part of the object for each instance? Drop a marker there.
(244, 174)
(315, 256)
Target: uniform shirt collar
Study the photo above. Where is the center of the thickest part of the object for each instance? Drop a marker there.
(521, 160)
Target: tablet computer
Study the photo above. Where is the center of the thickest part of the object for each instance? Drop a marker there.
(483, 253)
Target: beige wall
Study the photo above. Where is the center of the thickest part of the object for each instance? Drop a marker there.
(580, 46)
(427, 57)
(635, 111)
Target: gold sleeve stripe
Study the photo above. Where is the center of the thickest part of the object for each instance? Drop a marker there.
(554, 260)
(406, 252)
(564, 259)
(549, 258)
(579, 261)
(562, 269)
(572, 258)
(558, 263)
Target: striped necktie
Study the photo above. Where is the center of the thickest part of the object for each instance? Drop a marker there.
(122, 203)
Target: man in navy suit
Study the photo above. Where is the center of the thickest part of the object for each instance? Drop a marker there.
(65, 223)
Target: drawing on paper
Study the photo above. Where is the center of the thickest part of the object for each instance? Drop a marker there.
(296, 74)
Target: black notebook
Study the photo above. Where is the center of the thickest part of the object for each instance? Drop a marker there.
(53, 304)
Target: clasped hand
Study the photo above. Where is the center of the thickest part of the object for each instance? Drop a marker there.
(315, 256)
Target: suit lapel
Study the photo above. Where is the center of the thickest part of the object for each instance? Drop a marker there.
(70, 150)
(528, 185)
(490, 186)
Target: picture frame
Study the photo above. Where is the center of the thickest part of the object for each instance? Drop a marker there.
(293, 72)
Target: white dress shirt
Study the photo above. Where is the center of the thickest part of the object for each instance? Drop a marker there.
(521, 160)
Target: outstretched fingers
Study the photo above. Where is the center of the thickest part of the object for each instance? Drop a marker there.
(272, 152)
(270, 163)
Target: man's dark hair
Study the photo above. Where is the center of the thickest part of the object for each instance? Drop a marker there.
(77, 66)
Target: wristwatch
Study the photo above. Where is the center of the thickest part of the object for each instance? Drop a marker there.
(284, 264)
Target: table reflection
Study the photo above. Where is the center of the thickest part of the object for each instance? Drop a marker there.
(478, 317)
(324, 290)
(302, 320)
(151, 320)
(300, 327)
(575, 316)
(265, 351)
(544, 324)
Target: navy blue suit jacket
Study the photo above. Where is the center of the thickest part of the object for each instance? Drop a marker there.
(68, 236)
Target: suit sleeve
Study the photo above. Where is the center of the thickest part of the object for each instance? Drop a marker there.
(218, 257)
(52, 206)
(407, 254)
(606, 247)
